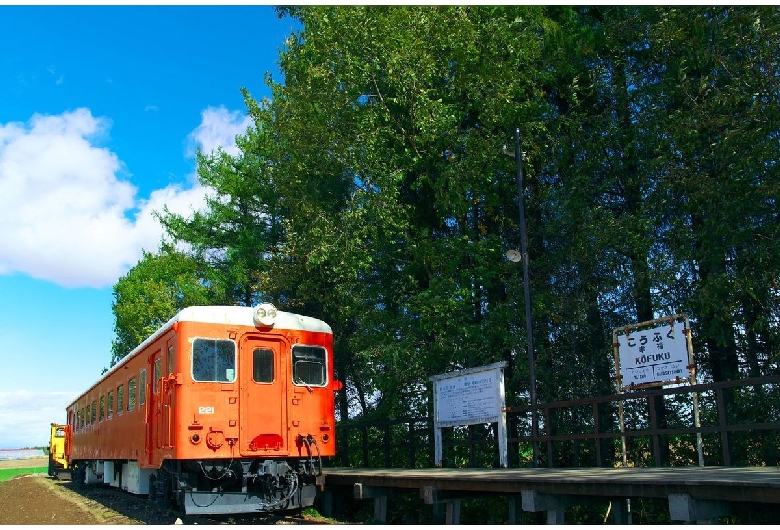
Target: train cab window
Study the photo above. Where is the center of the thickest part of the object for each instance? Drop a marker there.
(214, 360)
(142, 388)
(120, 399)
(132, 386)
(102, 414)
(111, 404)
(157, 374)
(263, 365)
(308, 365)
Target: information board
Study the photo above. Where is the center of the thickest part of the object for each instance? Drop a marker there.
(468, 399)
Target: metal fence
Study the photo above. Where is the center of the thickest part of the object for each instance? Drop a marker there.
(738, 424)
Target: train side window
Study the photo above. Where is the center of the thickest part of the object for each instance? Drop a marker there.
(132, 385)
(93, 416)
(170, 359)
(308, 365)
(142, 388)
(263, 365)
(214, 360)
(157, 374)
(120, 399)
(111, 404)
(102, 413)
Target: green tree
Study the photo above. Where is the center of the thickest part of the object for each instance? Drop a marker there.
(720, 173)
(389, 126)
(151, 293)
(240, 227)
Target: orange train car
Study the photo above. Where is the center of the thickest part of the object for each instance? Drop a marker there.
(222, 410)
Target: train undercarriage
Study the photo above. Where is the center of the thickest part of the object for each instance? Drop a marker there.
(212, 486)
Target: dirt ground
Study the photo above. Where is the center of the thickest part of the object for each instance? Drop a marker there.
(39, 499)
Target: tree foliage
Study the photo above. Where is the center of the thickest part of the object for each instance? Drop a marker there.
(151, 293)
(372, 192)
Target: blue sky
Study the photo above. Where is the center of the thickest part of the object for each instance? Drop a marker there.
(101, 110)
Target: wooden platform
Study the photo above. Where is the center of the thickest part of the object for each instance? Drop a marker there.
(695, 493)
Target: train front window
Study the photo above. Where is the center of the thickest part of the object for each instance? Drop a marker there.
(308, 365)
(214, 360)
(263, 365)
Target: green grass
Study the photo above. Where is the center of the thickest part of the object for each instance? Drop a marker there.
(8, 474)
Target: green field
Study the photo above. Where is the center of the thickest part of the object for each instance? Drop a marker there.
(7, 474)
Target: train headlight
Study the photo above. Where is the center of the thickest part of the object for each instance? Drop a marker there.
(265, 315)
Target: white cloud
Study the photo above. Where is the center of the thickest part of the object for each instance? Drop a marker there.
(32, 427)
(64, 208)
(219, 127)
(61, 203)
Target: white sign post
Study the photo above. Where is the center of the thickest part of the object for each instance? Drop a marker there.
(469, 397)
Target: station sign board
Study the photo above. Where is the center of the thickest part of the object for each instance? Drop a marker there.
(653, 353)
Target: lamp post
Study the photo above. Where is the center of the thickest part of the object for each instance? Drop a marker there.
(513, 256)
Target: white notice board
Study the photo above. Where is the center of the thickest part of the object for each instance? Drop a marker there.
(469, 397)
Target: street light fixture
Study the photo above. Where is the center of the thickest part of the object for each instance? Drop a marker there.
(514, 256)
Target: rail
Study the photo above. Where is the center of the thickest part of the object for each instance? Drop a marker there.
(739, 426)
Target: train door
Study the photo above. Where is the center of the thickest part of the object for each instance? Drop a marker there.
(159, 400)
(153, 403)
(263, 402)
(169, 382)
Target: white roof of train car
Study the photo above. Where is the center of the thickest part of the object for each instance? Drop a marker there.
(228, 315)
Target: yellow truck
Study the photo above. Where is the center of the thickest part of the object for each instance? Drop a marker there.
(58, 447)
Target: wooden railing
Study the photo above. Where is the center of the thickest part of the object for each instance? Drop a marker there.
(738, 425)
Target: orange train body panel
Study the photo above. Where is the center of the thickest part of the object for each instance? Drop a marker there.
(217, 396)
